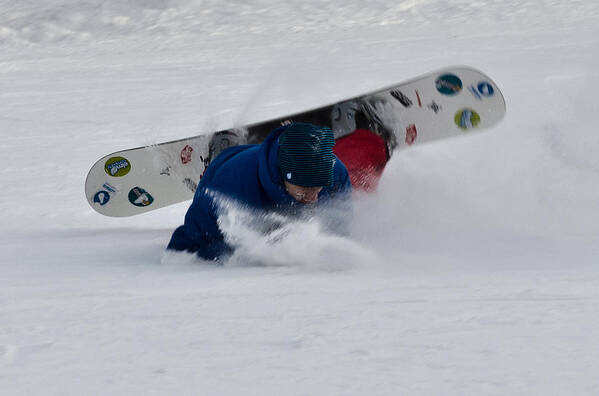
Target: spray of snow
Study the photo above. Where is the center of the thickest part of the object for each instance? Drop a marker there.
(271, 239)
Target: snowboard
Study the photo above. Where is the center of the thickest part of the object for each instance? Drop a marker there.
(450, 102)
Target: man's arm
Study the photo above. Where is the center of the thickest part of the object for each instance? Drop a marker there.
(200, 233)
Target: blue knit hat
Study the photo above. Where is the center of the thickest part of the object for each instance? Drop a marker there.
(306, 155)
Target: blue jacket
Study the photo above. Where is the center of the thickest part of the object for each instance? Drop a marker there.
(248, 174)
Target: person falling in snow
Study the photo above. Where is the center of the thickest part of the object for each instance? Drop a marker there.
(293, 167)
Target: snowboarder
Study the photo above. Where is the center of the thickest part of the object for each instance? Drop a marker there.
(294, 167)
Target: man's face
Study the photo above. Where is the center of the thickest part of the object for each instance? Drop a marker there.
(305, 195)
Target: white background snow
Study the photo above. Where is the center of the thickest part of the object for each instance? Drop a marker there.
(473, 270)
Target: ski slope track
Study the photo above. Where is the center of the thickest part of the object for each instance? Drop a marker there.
(473, 269)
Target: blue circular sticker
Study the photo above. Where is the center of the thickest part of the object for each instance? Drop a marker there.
(102, 197)
(485, 89)
(448, 84)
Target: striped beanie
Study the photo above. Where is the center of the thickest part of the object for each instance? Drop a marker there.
(306, 155)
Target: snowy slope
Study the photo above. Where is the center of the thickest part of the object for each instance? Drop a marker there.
(473, 270)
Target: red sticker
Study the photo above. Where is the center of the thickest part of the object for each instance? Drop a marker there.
(419, 100)
(186, 154)
(411, 134)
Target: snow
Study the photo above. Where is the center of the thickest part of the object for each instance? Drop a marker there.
(473, 270)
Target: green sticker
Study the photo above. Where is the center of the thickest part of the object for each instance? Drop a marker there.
(448, 84)
(117, 166)
(140, 197)
(467, 119)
